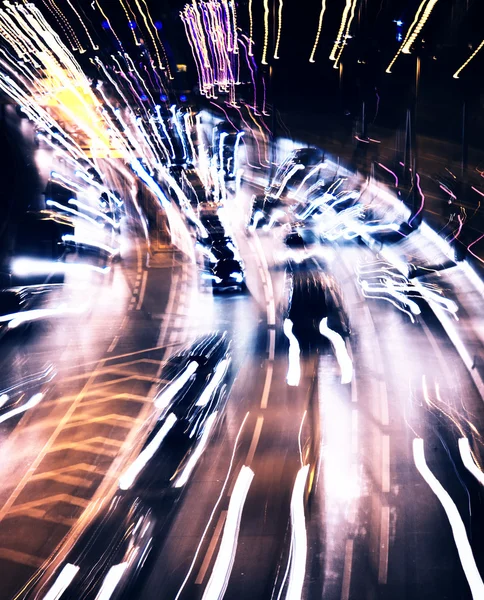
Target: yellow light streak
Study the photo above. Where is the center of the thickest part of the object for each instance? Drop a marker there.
(251, 28)
(421, 16)
(279, 28)
(266, 32)
(318, 33)
(456, 74)
(341, 48)
(344, 17)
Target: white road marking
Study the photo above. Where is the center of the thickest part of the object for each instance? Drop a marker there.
(384, 404)
(141, 296)
(113, 344)
(348, 565)
(267, 386)
(255, 441)
(272, 343)
(385, 464)
(458, 528)
(384, 541)
(62, 582)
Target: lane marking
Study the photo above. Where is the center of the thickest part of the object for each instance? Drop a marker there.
(385, 464)
(217, 584)
(384, 404)
(458, 528)
(272, 343)
(384, 541)
(267, 386)
(141, 296)
(211, 548)
(255, 441)
(113, 344)
(348, 565)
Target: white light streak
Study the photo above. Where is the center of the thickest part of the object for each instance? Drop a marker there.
(294, 370)
(182, 479)
(342, 356)
(478, 49)
(111, 581)
(222, 568)
(171, 390)
(299, 543)
(318, 33)
(62, 582)
(222, 492)
(469, 460)
(129, 476)
(458, 528)
(213, 384)
(36, 398)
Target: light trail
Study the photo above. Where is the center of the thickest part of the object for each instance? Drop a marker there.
(219, 499)
(164, 399)
(339, 36)
(130, 475)
(111, 581)
(62, 582)
(294, 370)
(458, 528)
(299, 543)
(266, 32)
(421, 16)
(36, 398)
(182, 478)
(473, 55)
(469, 460)
(342, 356)
(224, 562)
(318, 33)
(279, 29)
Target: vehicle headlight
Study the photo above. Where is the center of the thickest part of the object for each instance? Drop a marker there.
(217, 279)
(237, 276)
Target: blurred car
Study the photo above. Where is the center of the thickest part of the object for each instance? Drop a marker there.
(107, 558)
(311, 296)
(228, 274)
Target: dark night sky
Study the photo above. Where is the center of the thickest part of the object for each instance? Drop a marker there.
(452, 29)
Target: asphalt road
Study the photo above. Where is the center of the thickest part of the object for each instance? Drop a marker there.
(371, 528)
